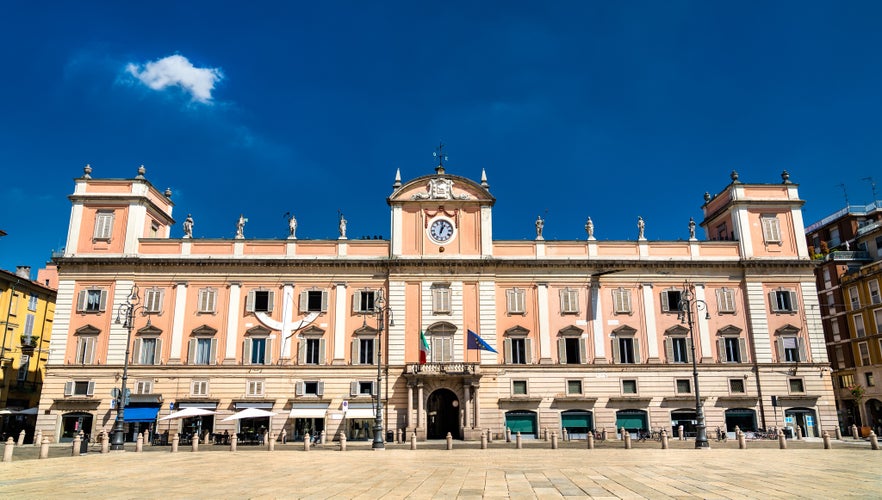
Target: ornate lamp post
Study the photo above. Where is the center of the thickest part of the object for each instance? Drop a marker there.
(125, 315)
(687, 301)
(381, 311)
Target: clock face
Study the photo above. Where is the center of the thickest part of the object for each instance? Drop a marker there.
(441, 230)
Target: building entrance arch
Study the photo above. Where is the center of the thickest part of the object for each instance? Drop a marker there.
(874, 414)
(73, 423)
(804, 418)
(442, 409)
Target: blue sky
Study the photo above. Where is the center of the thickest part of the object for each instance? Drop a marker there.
(619, 108)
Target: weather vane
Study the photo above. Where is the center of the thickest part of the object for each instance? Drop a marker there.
(441, 157)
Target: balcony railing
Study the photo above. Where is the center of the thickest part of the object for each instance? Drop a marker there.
(443, 368)
(842, 256)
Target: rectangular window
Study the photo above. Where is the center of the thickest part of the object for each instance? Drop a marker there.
(877, 314)
(442, 348)
(199, 388)
(519, 351)
(771, 228)
(92, 300)
(366, 352)
(733, 349)
(864, 350)
(873, 287)
(103, 226)
(313, 352)
(363, 301)
(670, 301)
(153, 300)
(85, 349)
(839, 358)
(574, 387)
(791, 349)
(846, 381)
(365, 388)
(726, 301)
(29, 325)
(572, 350)
(312, 388)
(203, 351)
(144, 387)
(440, 299)
(263, 301)
(82, 388)
(629, 387)
(515, 300)
(147, 351)
(783, 301)
(868, 379)
(834, 238)
(859, 331)
(684, 386)
(255, 388)
(796, 386)
(834, 329)
(621, 301)
(736, 385)
(32, 302)
(519, 387)
(569, 301)
(679, 350)
(258, 350)
(24, 365)
(722, 232)
(626, 350)
(854, 298)
(207, 300)
(313, 301)
(828, 282)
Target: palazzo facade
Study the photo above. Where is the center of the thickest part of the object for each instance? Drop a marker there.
(590, 334)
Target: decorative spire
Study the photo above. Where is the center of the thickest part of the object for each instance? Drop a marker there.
(168, 193)
(441, 157)
(87, 171)
(484, 179)
(397, 183)
(785, 176)
(141, 172)
(734, 176)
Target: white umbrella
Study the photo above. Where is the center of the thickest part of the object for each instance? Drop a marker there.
(188, 412)
(29, 411)
(5, 411)
(249, 413)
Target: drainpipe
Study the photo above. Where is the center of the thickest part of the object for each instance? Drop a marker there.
(6, 324)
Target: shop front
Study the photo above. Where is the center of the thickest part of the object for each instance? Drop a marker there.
(307, 418)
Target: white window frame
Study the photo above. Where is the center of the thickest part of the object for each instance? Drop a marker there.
(801, 353)
(103, 225)
(86, 345)
(364, 301)
(743, 386)
(32, 302)
(23, 368)
(569, 301)
(199, 388)
(248, 350)
(138, 351)
(71, 385)
(858, 322)
(509, 351)
(303, 351)
(790, 382)
(771, 228)
(725, 301)
(864, 353)
(86, 306)
(621, 301)
(255, 387)
(300, 388)
(206, 302)
(776, 305)
(873, 288)
(854, 298)
(575, 381)
(193, 351)
(636, 386)
(877, 316)
(515, 301)
(441, 348)
(357, 351)
(356, 388)
(153, 299)
(144, 387)
(671, 352)
(441, 298)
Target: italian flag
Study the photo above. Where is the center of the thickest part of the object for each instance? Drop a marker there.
(424, 348)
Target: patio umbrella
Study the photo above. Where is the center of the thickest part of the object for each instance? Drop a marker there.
(188, 412)
(249, 413)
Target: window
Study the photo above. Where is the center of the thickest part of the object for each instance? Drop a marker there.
(313, 348)
(313, 301)
(571, 347)
(629, 386)
(834, 329)
(732, 349)
(877, 314)
(771, 228)
(670, 300)
(828, 282)
(441, 348)
(873, 286)
(519, 387)
(255, 388)
(260, 301)
(854, 298)
(203, 351)
(29, 325)
(621, 301)
(726, 301)
(257, 350)
(846, 381)
(834, 237)
(868, 379)
(518, 350)
(678, 349)
(23, 368)
(363, 301)
(362, 388)
(147, 351)
(144, 387)
(515, 300)
(85, 349)
(153, 300)
(736, 385)
(32, 302)
(574, 387)
(199, 388)
(309, 388)
(92, 300)
(366, 352)
(791, 350)
(440, 298)
(839, 357)
(722, 232)
(79, 388)
(796, 386)
(103, 225)
(13, 308)
(859, 331)
(684, 386)
(783, 301)
(569, 301)
(627, 350)
(207, 300)
(864, 350)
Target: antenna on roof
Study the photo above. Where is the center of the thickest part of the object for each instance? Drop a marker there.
(872, 186)
(844, 193)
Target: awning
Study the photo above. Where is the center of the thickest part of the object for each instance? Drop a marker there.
(141, 414)
(309, 410)
(264, 405)
(360, 413)
(206, 405)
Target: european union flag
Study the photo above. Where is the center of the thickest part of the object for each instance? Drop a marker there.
(476, 342)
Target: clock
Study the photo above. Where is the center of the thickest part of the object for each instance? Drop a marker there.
(441, 230)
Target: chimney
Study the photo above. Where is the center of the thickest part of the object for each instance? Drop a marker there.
(23, 272)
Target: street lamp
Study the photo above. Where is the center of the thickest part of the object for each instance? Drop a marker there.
(381, 310)
(125, 315)
(687, 300)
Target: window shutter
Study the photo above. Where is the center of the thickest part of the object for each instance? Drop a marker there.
(298, 388)
(353, 388)
(663, 298)
(321, 388)
(689, 350)
(506, 349)
(90, 390)
(161, 301)
(355, 351)
(246, 352)
(68, 388)
(324, 300)
(721, 351)
(157, 354)
(583, 351)
(773, 301)
(802, 355)
(81, 301)
(780, 343)
(562, 351)
(794, 302)
(742, 350)
(356, 302)
(103, 304)
(528, 350)
(321, 359)
(301, 352)
(637, 358)
(304, 301)
(509, 298)
(271, 299)
(374, 388)
(89, 356)
(616, 350)
(249, 301)
(669, 350)
(191, 352)
(213, 353)
(136, 351)
(268, 352)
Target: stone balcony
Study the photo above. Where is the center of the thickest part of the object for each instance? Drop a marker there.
(443, 369)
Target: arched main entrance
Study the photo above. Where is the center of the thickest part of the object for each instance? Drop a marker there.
(805, 419)
(442, 410)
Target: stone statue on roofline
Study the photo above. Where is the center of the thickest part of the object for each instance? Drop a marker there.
(188, 226)
(540, 224)
(240, 227)
(641, 227)
(589, 228)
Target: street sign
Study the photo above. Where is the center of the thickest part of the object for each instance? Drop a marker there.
(345, 405)
(114, 392)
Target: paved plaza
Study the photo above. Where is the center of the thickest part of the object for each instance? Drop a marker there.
(763, 471)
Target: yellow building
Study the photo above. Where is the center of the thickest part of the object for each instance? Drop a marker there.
(27, 309)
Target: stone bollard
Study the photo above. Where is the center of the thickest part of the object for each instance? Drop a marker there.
(874, 443)
(397, 436)
(622, 433)
(413, 445)
(590, 440)
(854, 431)
(838, 433)
(234, 442)
(139, 444)
(322, 437)
(449, 441)
(603, 433)
(284, 436)
(105, 442)
(545, 433)
(489, 436)
(176, 440)
(270, 442)
(194, 443)
(565, 435)
(681, 434)
(742, 441)
(21, 437)
(554, 440)
(342, 441)
(75, 452)
(664, 439)
(483, 441)
(507, 435)
(627, 440)
(782, 441)
(518, 443)
(7, 451)
(38, 437)
(306, 442)
(44, 448)
(798, 433)
(826, 440)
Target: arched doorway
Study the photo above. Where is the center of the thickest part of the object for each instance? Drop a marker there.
(578, 423)
(523, 421)
(744, 418)
(633, 421)
(804, 418)
(685, 417)
(72, 423)
(443, 414)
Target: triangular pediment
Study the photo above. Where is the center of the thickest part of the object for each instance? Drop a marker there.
(313, 331)
(517, 331)
(149, 330)
(258, 330)
(87, 330)
(204, 330)
(787, 329)
(624, 331)
(729, 330)
(570, 331)
(367, 331)
(677, 330)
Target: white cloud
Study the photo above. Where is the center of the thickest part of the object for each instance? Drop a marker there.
(176, 70)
